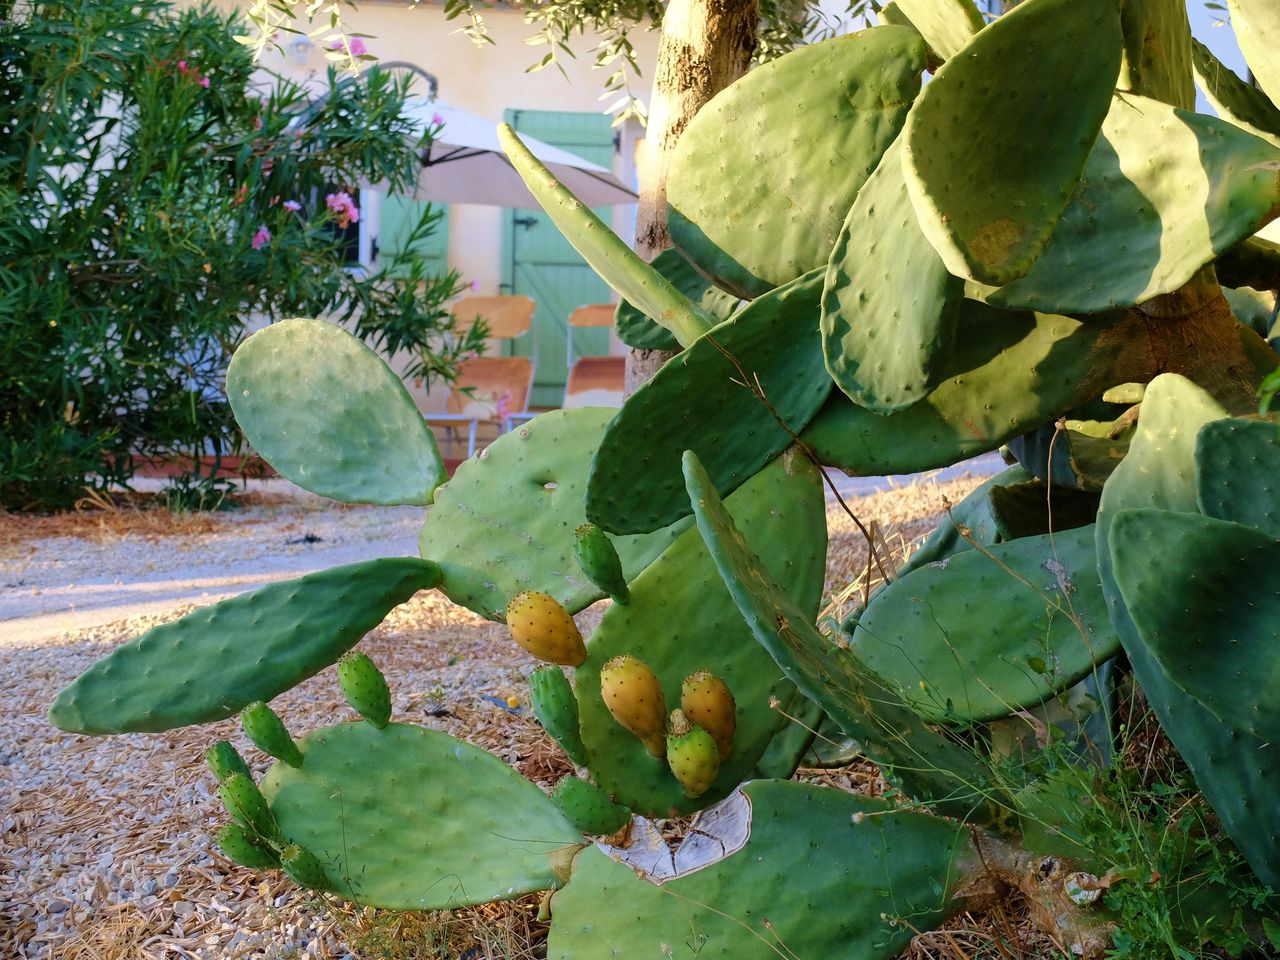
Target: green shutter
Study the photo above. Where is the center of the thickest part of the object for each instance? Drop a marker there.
(398, 216)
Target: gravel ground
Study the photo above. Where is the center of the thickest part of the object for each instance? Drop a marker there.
(105, 849)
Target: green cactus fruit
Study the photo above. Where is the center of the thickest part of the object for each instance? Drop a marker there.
(634, 697)
(692, 755)
(705, 700)
(239, 846)
(557, 710)
(544, 628)
(303, 868)
(224, 760)
(328, 413)
(589, 808)
(268, 733)
(365, 688)
(599, 561)
(244, 801)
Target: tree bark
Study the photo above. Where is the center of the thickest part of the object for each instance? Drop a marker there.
(705, 46)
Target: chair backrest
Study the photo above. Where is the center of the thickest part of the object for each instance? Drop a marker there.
(491, 378)
(593, 315)
(596, 382)
(508, 317)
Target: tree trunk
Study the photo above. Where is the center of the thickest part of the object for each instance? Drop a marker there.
(706, 45)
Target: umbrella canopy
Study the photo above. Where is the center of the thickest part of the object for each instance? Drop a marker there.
(467, 164)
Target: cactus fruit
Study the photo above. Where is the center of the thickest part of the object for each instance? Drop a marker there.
(633, 696)
(557, 710)
(239, 846)
(544, 628)
(707, 702)
(589, 808)
(303, 868)
(365, 688)
(692, 755)
(224, 760)
(599, 561)
(244, 801)
(268, 733)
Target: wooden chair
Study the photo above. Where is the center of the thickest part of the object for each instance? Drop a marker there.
(489, 390)
(593, 381)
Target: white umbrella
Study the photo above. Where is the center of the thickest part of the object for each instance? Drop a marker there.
(467, 165)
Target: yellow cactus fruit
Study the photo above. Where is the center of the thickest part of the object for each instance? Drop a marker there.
(544, 628)
(707, 702)
(633, 695)
(692, 754)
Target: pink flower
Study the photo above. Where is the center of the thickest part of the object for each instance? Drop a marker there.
(293, 206)
(475, 285)
(204, 82)
(436, 120)
(354, 46)
(502, 406)
(182, 66)
(261, 238)
(344, 208)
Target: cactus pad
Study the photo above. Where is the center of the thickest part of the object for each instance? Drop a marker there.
(1237, 472)
(947, 25)
(805, 846)
(606, 252)
(1241, 103)
(413, 819)
(753, 217)
(1257, 28)
(700, 405)
(1027, 99)
(681, 619)
(931, 768)
(328, 413)
(505, 522)
(1009, 372)
(1213, 186)
(889, 306)
(220, 658)
(239, 845)
(991, 631)
(634, 327)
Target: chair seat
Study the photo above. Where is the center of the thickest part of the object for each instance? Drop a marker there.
(596, 382)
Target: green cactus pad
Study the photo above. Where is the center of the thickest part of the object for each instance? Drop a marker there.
(221, 658)
(1159, 472)
(413, 819)
(504, 523)
(364, 688)
(697, 403)
(681, 619)
(303, 867)
(1257, 28)
(1237, 472)
(889, 306)
(556, 708)
(242, 799)
(930, 767)
(606, 252)
(1009, 372)
(806, 846)
(993, 631)
(1035, 507)
(1214, 632)
(752, 216)
(1242, 103)
(267, 732)
(947, 25)
(1027, 99)
(1213, 186)
(240, 846)
(329, 414)
(588, 807)
(635, 329)
(1157, 51)
(1253, 308)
